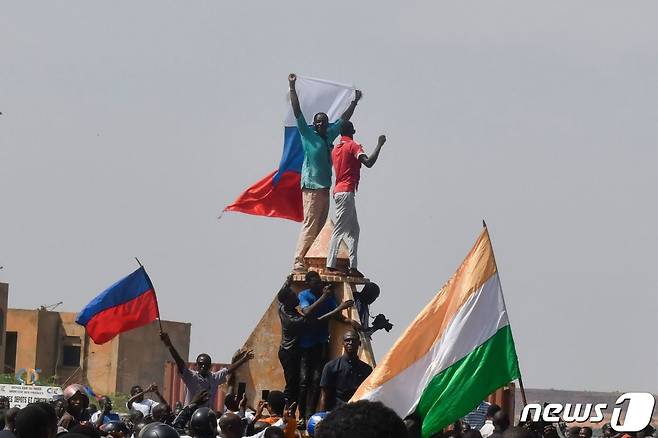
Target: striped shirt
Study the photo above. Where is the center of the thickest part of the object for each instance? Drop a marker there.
(476, 417)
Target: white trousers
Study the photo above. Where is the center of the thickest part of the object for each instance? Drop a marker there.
(347, 229)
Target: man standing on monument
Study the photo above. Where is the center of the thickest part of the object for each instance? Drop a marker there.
(202, 379)
(316, 170)
(347, 157)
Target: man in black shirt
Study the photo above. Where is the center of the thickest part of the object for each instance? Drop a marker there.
(341, 377)
(292, 324)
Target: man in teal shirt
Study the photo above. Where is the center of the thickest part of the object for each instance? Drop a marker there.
(317, 143)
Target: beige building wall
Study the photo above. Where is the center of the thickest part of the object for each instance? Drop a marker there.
(26, 324)
(54, 343)
(143, 355)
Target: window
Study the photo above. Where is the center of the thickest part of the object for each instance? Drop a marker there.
(71, 356)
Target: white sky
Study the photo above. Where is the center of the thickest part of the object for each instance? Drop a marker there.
(128, 126)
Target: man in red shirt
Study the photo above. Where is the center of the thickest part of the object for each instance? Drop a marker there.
(347, 157)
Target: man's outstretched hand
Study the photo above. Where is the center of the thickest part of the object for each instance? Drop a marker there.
(381, 140)
(292, 78)
(244, 353)
(358, 94)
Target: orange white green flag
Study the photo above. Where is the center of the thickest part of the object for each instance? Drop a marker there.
(457, 351)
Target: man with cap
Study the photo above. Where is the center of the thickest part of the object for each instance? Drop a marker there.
(202, 378)
(342, 376)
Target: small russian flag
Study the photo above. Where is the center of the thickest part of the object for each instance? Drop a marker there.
(127, 304)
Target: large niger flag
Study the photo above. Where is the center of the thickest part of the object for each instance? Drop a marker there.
(457, 351)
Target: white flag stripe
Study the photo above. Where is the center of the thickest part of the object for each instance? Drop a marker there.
(319, 95)
(481, 316)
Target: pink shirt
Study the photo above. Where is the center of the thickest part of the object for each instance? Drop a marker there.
(347, 167)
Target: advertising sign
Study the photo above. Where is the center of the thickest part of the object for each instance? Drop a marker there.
(21, 395)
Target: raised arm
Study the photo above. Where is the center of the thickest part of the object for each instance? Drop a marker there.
(130, 401)
(336, 312)
(156, 391)
(326, 293)
(180, 363)
(350, 109)
(294, 100)
(242, 357)
(370, 161)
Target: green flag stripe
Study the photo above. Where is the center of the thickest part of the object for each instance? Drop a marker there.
(458, 389)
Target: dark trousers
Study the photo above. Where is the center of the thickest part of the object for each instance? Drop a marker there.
(311, 365)
(290, 361)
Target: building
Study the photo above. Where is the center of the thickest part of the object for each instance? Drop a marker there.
(54, 345)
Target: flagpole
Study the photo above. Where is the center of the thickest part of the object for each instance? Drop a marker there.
(156, 298)
(500, 286)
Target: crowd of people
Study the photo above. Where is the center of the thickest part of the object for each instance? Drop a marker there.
(72, 417)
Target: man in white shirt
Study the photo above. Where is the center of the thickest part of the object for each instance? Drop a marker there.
(488, 427)
(141, 404)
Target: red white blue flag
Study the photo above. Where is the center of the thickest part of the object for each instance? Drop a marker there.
(279, 194)
(127, 304)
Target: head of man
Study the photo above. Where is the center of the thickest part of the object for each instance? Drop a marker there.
(288, 298)
(585, 432)
(60, 406)
(33, 421)
(572, 432)
(607, 430)
(231, 425)
(370, 293)
(276, 402)
(4, 402)
(501, 421)
(76, 401)
(105, 403)
(136, 390)
(347, 129)
(491, 411)
(321, 123)
(10, 418)
(351, 343)
(115, 429)
(157, 430)
(363, 419)
(203, 423)
(314, 282)
(203, 364)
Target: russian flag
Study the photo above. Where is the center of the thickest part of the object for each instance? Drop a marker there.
(279, 194)
(127, 304)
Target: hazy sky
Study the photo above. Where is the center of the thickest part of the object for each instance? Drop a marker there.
(127, 127)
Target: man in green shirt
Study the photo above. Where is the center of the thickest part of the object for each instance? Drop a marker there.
(317, 143)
